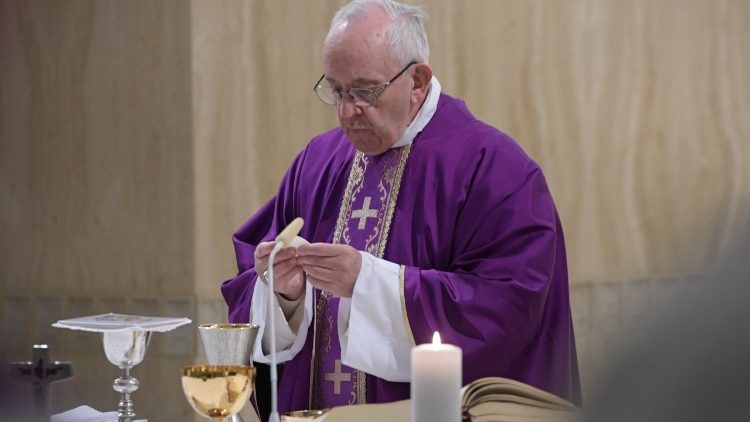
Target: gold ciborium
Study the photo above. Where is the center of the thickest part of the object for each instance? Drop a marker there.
(217, 391)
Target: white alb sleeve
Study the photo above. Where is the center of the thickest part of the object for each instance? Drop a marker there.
(288, 340)
(373, 329)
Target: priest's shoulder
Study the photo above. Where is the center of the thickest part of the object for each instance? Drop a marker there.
(494, 141)
(471, 134)
(501, 154)
(477, 142)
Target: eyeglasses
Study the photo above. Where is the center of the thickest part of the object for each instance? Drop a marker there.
(362, 97)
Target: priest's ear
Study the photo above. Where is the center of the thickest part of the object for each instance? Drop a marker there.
(422, 77)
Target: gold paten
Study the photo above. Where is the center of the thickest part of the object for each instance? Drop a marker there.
(302, 415)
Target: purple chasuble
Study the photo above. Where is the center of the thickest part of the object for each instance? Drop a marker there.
(479, 240)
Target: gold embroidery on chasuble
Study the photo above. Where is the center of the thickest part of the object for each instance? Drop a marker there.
(364, 222)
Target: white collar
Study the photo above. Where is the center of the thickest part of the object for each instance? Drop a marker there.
(424, 115)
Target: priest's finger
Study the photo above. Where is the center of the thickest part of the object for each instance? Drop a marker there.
(321, 249)
(321, 284)
(263, 249)
(338, 287)
(282, 282)
(294, 290)
(320, 273)
(284, 271)
(292, 284)
(329, 262)
(334, 257)
(284, 254)
(261, 262)
(283, 265)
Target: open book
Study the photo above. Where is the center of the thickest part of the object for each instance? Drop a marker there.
(495, 399)
(489, 399)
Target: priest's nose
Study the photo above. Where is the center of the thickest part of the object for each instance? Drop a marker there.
(348, 109)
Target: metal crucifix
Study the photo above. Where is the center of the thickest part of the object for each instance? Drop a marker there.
(41, 372)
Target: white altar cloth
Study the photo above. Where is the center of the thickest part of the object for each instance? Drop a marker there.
(86, 414)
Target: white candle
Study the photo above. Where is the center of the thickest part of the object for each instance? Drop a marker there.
(435, 382)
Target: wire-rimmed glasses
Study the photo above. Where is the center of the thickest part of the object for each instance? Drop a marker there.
(362, 97)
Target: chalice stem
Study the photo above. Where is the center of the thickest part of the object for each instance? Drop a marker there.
(125, 385)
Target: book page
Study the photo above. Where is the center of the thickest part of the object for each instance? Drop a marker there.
(399, 411)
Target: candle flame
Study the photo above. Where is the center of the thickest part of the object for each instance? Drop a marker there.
(436, 338)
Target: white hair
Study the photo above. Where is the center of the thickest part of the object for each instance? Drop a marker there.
(407, 38)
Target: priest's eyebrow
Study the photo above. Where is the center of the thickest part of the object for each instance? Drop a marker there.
(358, 83)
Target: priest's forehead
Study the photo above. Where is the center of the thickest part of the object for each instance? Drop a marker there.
(356, 52)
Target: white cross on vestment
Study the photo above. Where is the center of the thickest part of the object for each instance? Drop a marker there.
(338, 377)
(364, 213)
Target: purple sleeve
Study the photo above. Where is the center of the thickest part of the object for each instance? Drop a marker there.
(263, 226)
(238, 291)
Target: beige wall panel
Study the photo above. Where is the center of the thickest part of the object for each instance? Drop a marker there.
(286, 43)
(97, 147)
(225, 163)
(254, 66)
(96, 183)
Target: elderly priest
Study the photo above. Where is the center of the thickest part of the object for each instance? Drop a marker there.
(420, 218)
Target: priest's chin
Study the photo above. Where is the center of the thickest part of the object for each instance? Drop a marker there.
(365, 141)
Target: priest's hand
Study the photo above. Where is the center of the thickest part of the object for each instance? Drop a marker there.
(333, 268)
(289, 280)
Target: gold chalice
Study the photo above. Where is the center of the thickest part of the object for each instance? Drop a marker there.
(217, 391)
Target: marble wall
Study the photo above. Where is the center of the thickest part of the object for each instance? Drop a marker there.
(135, 136)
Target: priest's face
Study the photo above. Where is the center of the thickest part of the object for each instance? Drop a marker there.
(356, 56)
